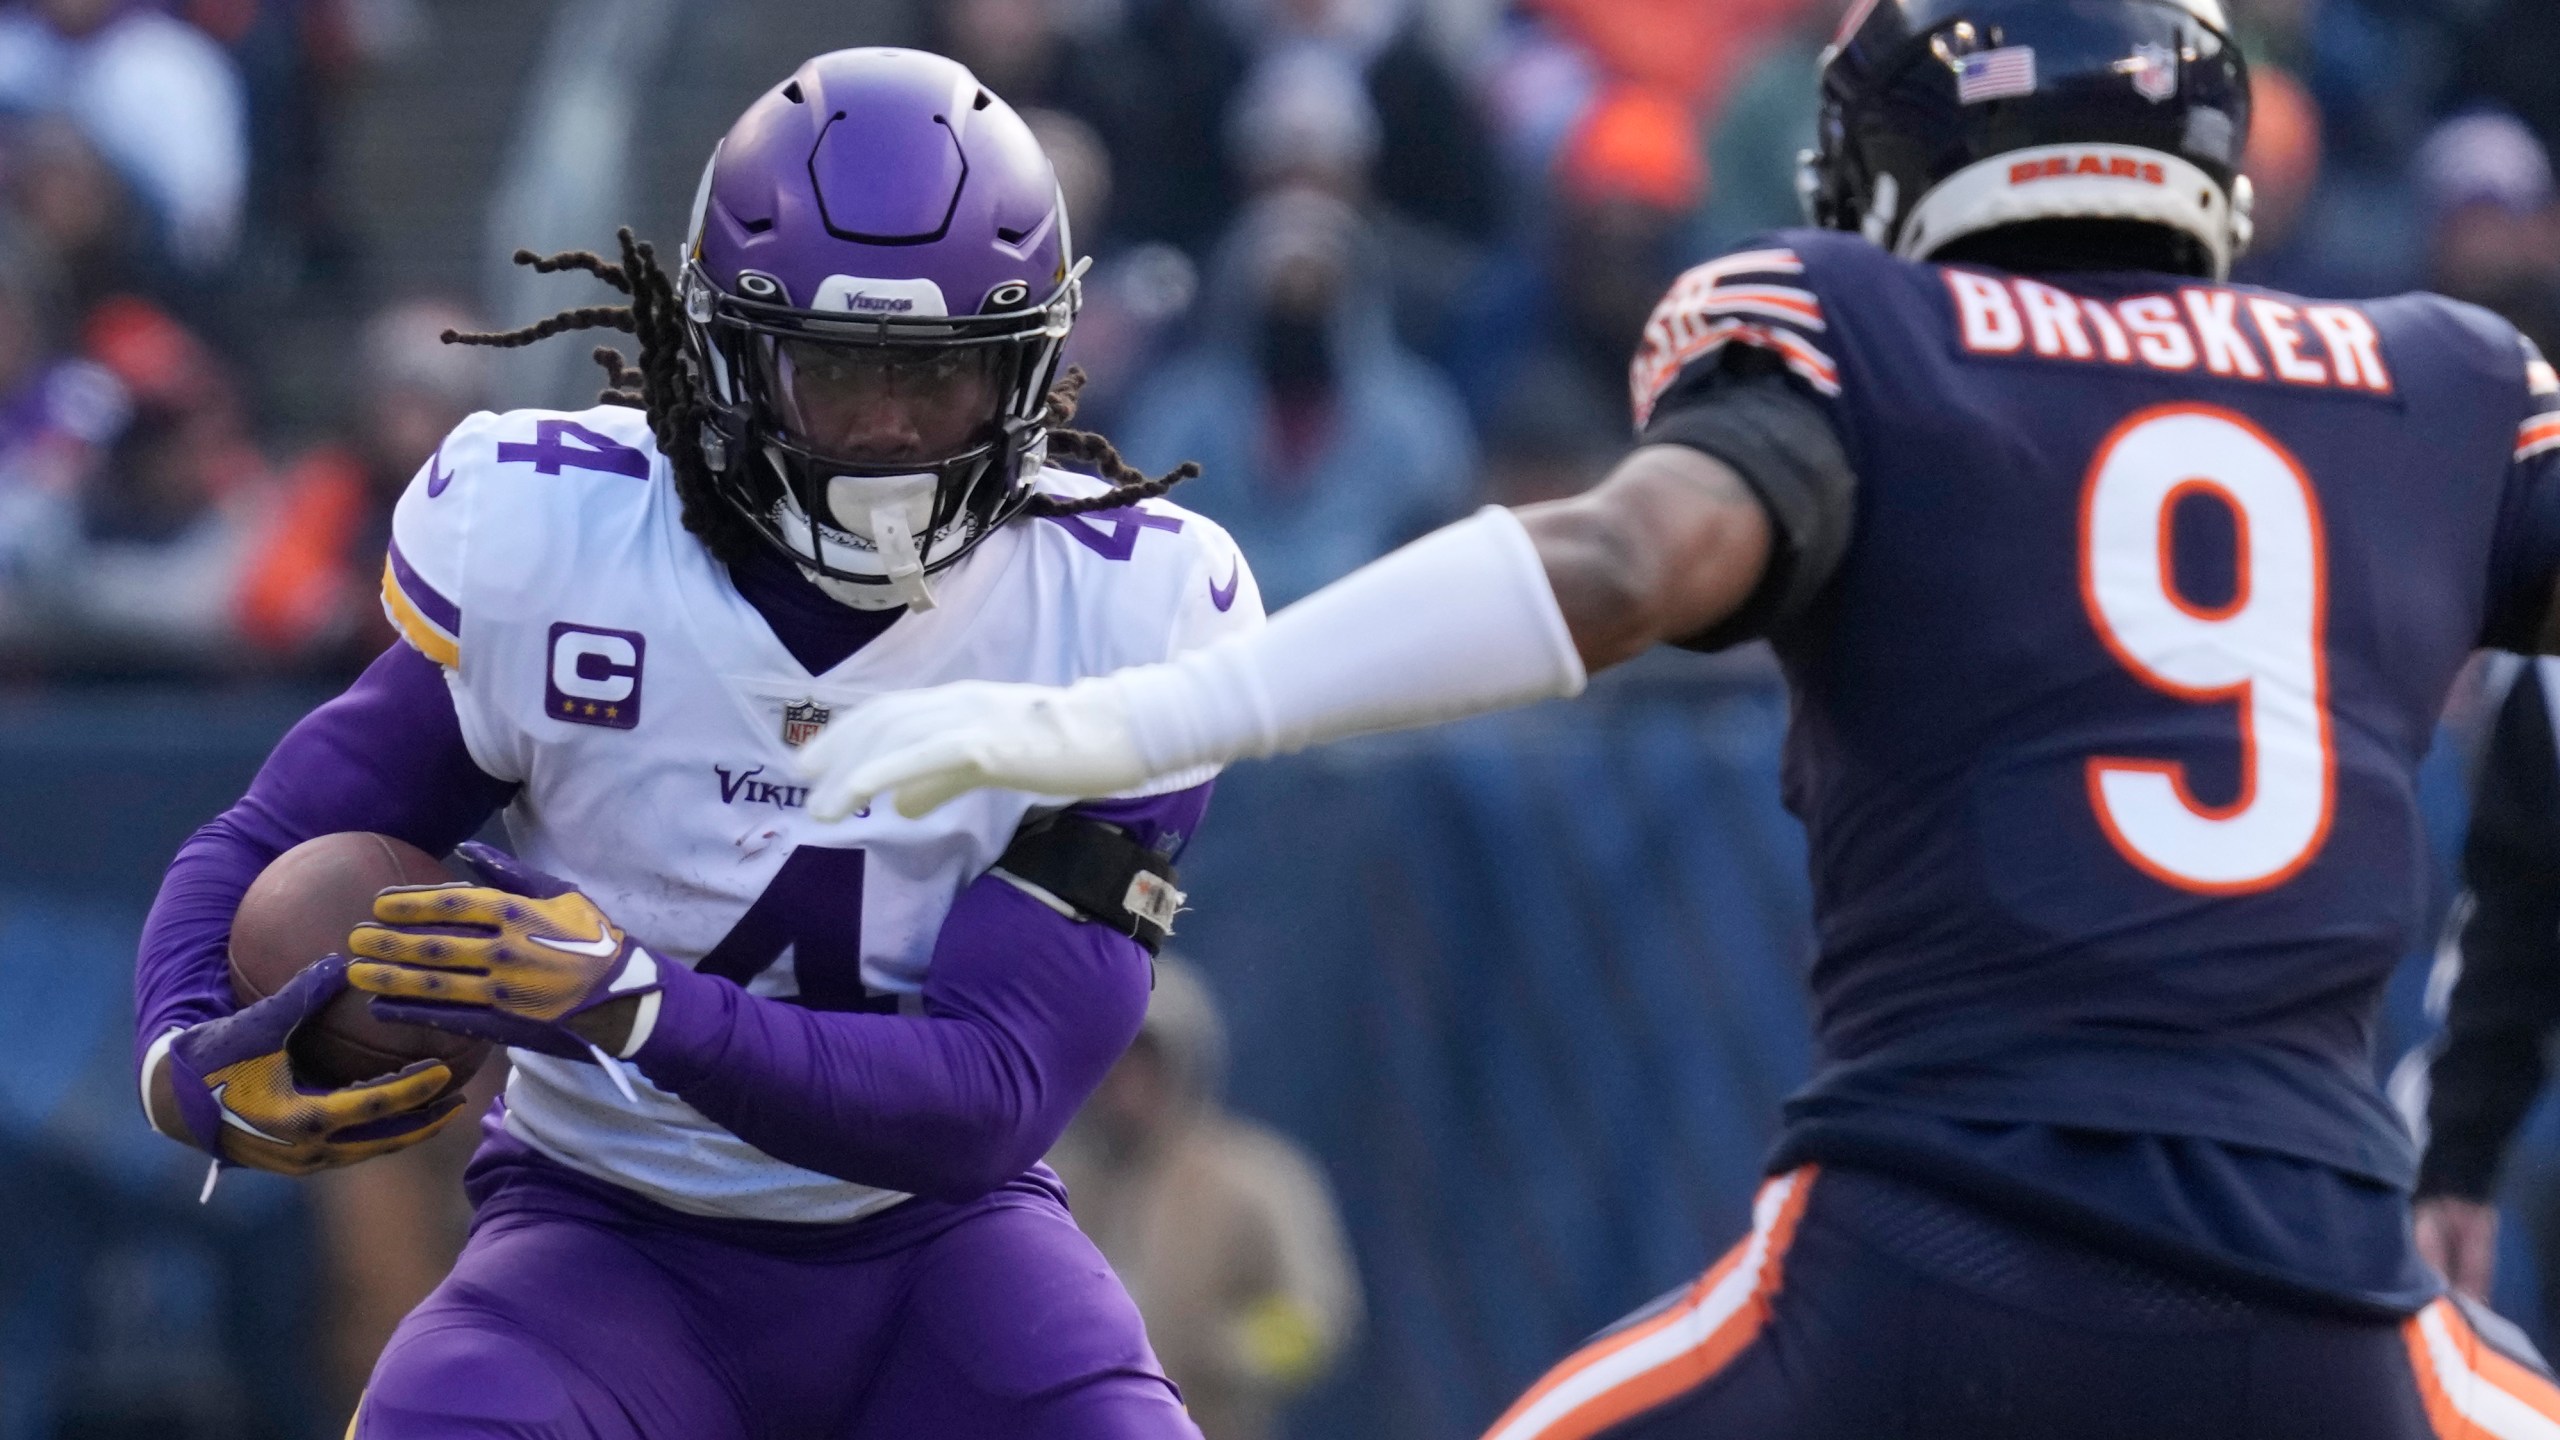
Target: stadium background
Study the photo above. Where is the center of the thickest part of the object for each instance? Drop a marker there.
(1526, 989)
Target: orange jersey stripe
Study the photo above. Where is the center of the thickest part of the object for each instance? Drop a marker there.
(1695, 319)
(1747, 262)
(1653, 374)
(1801, 353)
(1781, 301)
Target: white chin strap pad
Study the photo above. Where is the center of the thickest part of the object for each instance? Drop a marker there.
(2081, 182)
(889, 511)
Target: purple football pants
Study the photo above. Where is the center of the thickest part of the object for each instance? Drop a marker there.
(579, 1311)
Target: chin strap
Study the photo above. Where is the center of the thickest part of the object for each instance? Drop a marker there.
(898, 555)
(886, 510)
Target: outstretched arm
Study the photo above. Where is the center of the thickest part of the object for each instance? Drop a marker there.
(1669, 546)
(1724, 526)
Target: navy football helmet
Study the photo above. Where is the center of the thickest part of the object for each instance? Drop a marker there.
(1943, 120)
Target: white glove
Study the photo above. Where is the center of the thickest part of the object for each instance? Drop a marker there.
(924, 747)
(1458, 623)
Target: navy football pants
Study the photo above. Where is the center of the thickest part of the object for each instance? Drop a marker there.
(1863, 1308)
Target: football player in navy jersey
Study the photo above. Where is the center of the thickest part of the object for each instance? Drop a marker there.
(2117, 604)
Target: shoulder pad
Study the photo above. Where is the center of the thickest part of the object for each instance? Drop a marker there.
(1217, 595)
(1167, 579)
(1758, 296)
(517, 472)
(2460, 331)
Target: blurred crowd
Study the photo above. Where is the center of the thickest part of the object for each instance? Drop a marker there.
(1373, 262)
(168, 198)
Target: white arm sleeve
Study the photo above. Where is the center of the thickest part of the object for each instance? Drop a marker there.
(1459, 623)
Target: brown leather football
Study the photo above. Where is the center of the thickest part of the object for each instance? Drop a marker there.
(299, 909)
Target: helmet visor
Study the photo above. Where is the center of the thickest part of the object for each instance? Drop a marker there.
(874, 405)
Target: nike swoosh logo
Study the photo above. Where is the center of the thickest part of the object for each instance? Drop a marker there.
(437, 478)
(1224, 596)
(232, 1118)
(600, 947)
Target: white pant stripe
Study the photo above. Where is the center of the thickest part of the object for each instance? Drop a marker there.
(2492, 1409)
(1697, 1323)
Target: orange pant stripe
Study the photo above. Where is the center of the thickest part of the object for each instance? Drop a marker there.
(2471, 1392)
(1663, 1356)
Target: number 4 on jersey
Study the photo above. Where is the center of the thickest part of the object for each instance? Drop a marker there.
(566, 442)
(2261, 650)
(812, 908)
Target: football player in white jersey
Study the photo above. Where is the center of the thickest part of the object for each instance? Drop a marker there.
(768, 1161)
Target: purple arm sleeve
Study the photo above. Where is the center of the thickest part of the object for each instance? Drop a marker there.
(385, 756)
(1024, 1012)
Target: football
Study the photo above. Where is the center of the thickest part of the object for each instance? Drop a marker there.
(299, 909)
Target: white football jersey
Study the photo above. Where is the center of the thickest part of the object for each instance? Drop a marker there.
(601, 657)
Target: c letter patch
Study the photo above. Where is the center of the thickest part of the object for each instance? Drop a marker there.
(594, 676)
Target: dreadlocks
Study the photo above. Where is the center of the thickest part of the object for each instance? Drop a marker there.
(1087, 449)
(664, 387)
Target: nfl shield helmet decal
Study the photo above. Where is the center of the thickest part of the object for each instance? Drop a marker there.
(2154, 69)
(802, 719)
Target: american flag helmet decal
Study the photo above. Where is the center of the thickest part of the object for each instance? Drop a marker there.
(1996, 74)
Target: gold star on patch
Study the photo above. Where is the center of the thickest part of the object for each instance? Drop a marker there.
(613, 712)
(591, 707)
(568, 707)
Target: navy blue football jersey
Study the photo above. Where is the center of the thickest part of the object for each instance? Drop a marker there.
(2108, 717)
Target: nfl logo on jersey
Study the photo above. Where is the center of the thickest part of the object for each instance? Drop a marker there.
(802, 719)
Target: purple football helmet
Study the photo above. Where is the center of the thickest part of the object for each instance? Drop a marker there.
(876, 286)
